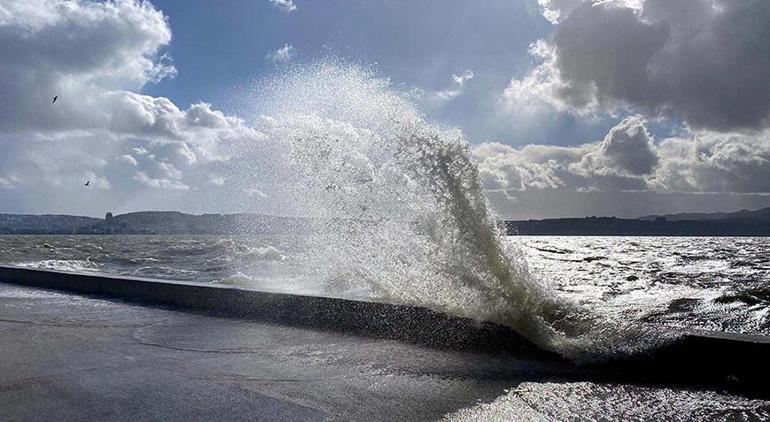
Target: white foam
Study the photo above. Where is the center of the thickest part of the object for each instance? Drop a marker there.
(588, 401)
(71, 265)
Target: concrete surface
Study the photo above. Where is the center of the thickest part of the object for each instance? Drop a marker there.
(69, 357)
(368, 318)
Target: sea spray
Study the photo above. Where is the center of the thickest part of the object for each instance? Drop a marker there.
(398, 211)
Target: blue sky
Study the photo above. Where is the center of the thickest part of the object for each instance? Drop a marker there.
(416, 44)
(570, 107)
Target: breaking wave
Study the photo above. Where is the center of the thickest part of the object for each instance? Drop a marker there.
(71, 265)
(398, 210)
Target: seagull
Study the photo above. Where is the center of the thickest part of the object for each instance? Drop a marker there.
(54, 99)
(88, 183)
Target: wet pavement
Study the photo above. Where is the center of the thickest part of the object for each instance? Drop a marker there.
(70, 357)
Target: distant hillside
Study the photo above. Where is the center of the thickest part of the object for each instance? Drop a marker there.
(149, 222)
(762, 215)
(53, 224)
(741, 223)
(170, 222)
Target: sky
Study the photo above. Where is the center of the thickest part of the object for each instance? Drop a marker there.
(571, 107)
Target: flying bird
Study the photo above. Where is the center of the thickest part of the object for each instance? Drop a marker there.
(56, 97)
(88, 183)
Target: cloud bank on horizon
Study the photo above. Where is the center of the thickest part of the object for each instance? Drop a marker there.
(695, 67)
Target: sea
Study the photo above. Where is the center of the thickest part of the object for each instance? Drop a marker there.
(708, 283)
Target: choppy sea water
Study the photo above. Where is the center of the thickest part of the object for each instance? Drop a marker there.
(268, 263)
(711, 283)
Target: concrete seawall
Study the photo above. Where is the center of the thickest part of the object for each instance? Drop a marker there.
(712, 360)
(372, 319)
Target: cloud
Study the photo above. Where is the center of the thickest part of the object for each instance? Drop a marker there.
(127, 159)
(502, 167)
(256, 193)
(625, 160)
(543, 90)
(458, 84)
(282, 55)
(629, 159)
(714, 162)
(672, 59)
(556, 10)
(6, 183)
(287, 6)
(460, 79)
(110, 47)
(626, 150)
(97, 56)
(142, 151)
(161, 183)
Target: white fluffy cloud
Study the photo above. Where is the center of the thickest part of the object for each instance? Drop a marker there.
(712, 162)
(287, 6)
(704, 61)
(458, 84)
(95, 56)
(281, 55)
(626, 150)
(556, 10)
(543, 90)
(628, 159)
(624, 160)
(42, 45)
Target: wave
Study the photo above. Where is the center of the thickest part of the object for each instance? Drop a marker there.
(398, 208)
(71, 265)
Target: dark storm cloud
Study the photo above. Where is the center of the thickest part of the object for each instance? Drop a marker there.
(704, 61)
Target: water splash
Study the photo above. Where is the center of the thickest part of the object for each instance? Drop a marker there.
(562, 401)
(398, 210)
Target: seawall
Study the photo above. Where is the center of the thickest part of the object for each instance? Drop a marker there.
(373, 319)
(711, 360)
